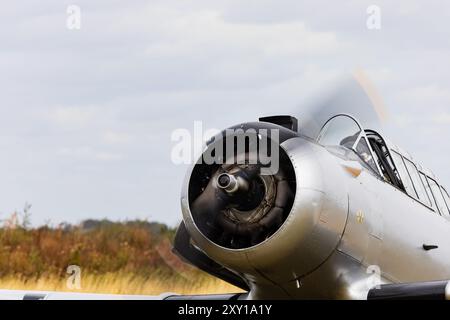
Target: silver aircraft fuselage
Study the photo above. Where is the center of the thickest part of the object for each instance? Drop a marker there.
(348, 231)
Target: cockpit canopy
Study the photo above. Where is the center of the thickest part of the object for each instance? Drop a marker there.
(385, 161)
(344, 130)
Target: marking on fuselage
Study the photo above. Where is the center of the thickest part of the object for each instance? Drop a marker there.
(354, 169)
(360, 216)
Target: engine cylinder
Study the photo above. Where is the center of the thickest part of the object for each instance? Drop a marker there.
(242, 201)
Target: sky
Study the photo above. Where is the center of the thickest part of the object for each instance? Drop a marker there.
(87, 114)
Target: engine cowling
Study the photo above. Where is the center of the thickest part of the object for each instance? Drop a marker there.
(277, 225)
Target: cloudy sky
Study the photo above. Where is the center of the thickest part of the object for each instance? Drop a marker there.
(86, 115)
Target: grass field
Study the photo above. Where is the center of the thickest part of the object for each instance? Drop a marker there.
(117, 283)
(132, 257)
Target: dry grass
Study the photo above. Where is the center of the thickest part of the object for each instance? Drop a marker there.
(119, 258)
(122, 284)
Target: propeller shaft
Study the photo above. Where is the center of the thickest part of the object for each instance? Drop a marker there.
(231, 184)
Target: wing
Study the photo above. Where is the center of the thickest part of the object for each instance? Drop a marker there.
(53, 295)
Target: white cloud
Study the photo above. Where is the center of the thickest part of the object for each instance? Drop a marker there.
(77, 152)
(87, 153)
(72, 116)
(90, 112)
(207, 32)
(111, 137)
(429, 96)
(106, 156)
(442, 119)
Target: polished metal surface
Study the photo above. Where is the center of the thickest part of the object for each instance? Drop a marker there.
(348, 230)
(347, 224)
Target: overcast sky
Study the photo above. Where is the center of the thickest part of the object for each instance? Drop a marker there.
(86, 115)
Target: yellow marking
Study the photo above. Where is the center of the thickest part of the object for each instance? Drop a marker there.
(354, 169)
(360, 216)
